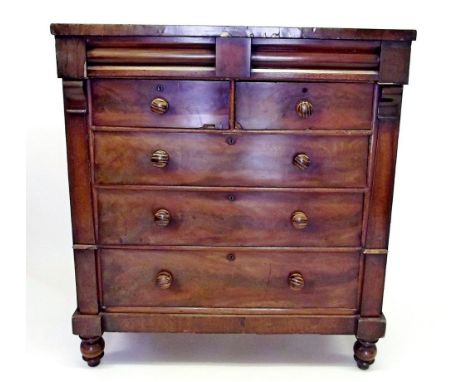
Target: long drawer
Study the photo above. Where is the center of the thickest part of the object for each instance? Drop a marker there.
(252, 278)
(229, 217)
(220, 159)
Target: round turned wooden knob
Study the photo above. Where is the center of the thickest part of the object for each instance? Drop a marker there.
(304, 108)
(162, 217)
(296, 281)
(159, 105)
(301, 161)
(164, 279)
(299, 220)
(160, 158)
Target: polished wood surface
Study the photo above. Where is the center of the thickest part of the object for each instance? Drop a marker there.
(228, 323)
(86, 280)
(267, 160)
(245, 218)
(210, 279)
(78, 154)
(314, 54)
(231, 179)
(233, 31)
(364, 353)
(129, 103)
(266, 105)
(92, 350)
(162, 51)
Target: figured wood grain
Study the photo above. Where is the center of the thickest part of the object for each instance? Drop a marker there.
(79, 172)
(264, 105)
(206, 159)
(234, 31)
(71, 57)
(242, 218)
(210, 279)
(127, 103)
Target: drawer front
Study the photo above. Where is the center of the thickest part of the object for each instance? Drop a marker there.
(301, 106)
(237, 218)
(251, 278)
(268, 160)
(170, 103)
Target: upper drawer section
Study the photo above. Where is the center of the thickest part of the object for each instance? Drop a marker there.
(301, 106)
(160, 103)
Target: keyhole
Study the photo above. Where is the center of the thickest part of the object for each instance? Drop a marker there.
(230, 140)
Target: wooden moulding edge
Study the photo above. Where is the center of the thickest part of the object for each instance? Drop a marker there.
(229, 323)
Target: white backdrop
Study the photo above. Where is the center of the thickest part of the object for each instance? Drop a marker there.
(426, 286)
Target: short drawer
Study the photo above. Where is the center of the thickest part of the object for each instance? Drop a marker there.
(302, 106)
(237, 217)
(161, 103)
(242, 159)
(215, 278)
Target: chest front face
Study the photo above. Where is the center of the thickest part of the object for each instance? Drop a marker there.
(231, 180)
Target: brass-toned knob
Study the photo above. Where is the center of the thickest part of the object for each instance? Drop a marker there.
(304, 108)
(299, 220)
(296, 281)
(159, 105)
(301, 161)
(164, 279)
(162, 217)
(160, 158)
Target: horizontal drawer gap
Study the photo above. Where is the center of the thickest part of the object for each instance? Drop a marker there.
(362, 132)
(231, 189)
(230, 311)
(233, 249)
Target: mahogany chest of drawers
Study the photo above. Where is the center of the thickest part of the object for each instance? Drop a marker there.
(231, 179)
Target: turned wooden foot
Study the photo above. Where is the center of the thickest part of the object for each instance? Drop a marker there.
(92, 349)
(364, 353)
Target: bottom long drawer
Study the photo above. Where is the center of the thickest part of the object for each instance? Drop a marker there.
(217, 278)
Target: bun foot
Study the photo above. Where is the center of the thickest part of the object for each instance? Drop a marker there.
(92, 350)
(364, 353)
